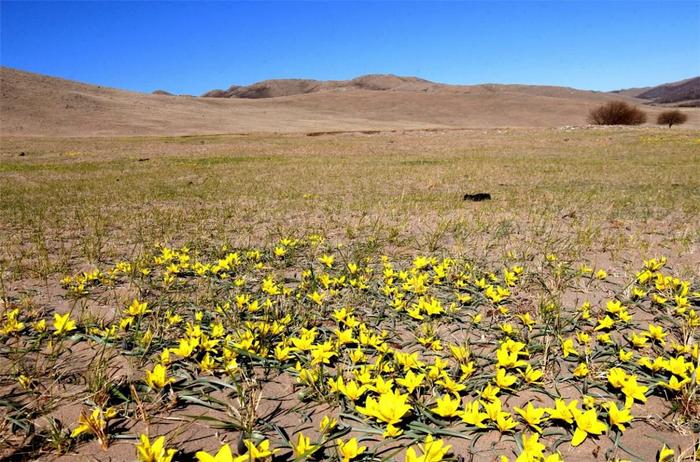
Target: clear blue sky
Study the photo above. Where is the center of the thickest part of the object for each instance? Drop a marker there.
(191, 47)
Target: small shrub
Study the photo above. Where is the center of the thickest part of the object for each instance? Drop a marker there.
(670, 118)
(617, 113)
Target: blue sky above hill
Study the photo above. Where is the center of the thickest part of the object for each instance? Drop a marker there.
(192, 47)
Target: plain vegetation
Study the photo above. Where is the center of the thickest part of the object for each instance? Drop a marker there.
(88, 225)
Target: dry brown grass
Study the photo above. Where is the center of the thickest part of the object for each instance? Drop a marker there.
(583, 189)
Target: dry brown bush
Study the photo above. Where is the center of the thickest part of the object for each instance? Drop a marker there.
(617, 113)
(670, 118)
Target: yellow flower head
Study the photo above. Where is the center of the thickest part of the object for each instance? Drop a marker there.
(328, 424)
(260, 451)
(156, 452)
(473, 416)
(327, 260)
(666, 454)
(532, 416)
(303, 447)
(503, 379)
(223, 455)
(618, 417)
(562, 411)
(63, 324)
(350, 449)
(433, 451)
(447, 406)
(411, 381)
(533, 450)
(587, 423)
(158, 378)
(390, 407)
(137, 308)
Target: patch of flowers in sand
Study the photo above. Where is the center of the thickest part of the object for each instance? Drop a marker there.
(412, 360)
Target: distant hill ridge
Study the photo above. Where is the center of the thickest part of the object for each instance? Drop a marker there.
(682, 93)
(288, 87)
(685, 92)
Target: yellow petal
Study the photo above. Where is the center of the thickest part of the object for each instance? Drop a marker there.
(579, 436)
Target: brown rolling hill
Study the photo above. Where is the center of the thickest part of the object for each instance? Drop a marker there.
(684, 93)
(290, 87)
(32, 104)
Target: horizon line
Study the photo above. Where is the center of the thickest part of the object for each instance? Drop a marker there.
(346, 80)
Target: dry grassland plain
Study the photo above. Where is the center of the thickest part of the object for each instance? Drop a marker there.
(238, 289)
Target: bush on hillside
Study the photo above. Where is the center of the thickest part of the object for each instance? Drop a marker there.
(617, 113)
(671, 118)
